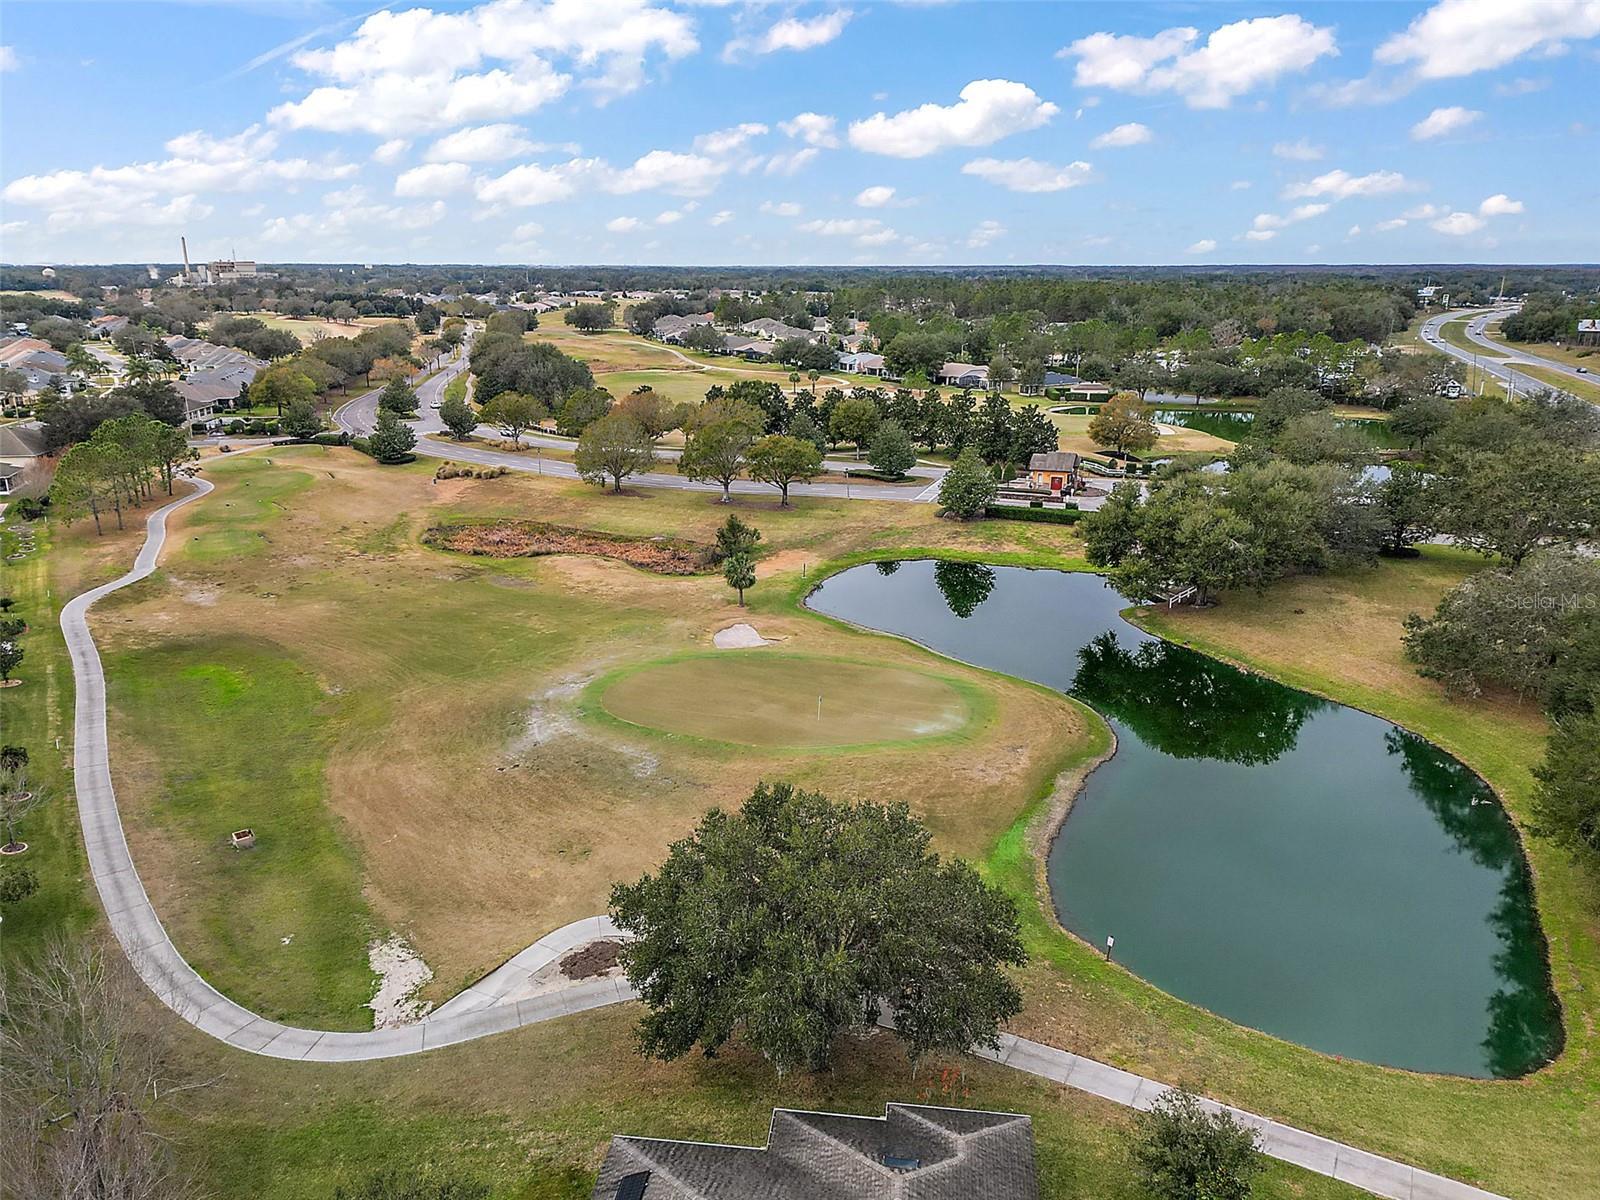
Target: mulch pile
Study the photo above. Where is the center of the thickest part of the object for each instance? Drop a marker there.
(588, 961)
(528, 539)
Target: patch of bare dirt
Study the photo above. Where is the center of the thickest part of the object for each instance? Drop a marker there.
(588, 961)
(530, 539)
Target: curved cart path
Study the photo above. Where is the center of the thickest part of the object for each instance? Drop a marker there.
(499, 1001)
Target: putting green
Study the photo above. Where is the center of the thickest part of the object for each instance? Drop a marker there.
(758, 698)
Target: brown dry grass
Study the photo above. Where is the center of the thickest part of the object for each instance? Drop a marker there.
(485, 811)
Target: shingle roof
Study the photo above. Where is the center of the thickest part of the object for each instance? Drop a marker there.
(912, 1152)
(22, 439)
(1054, 460)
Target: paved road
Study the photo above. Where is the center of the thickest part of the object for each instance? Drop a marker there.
(503, 1000)
(360, 415)
(1499, 361)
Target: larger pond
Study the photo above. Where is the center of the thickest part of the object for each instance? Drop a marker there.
(1297, 866)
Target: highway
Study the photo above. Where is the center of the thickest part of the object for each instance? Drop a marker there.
(1499, 361)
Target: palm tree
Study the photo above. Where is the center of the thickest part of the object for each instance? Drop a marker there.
(813, 376)
(139, 369)
(794, 382)
(80, 361)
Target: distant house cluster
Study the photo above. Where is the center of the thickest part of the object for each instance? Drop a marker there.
(912, 1152)
(39, 363)
(212, 374)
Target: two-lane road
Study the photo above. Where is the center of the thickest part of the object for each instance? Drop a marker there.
(360, 415)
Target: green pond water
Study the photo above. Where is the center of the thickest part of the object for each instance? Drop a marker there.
(1234, 425)
(1295, 865)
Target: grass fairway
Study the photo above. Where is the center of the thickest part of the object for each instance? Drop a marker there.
(766, 698)
(244, 737)
(314, 329)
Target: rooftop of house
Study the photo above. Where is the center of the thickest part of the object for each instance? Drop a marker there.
(12, 349)
(22, 439)
(912, 1151)
(1054, 460)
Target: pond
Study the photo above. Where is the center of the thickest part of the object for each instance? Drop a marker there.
(1232, 426)
(1292, 864)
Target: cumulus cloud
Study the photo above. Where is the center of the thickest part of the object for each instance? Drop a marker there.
(780, 208)
(168, 190)
(988, 110)
(671, 217)
(352, 226)
(8, 58)
(434, 179)
(623, 224)
(984, 233)
(842, 226)
(1302, 212)
(791, 33)
(1341, 185)
(1462, 37)
(482, 143)
(1029, 175)
(1260, 235)
(1203, 246)
(681, 174)
(721, 217)
(1459, 224)
(789, 164)
(533, 183)
(1235, 58)
(1499, 205)
(875, 196)
(391, 151)
(1443, 121)
(812, 128)
(732, 140)
(1131, 134)
(1298, 151)
(419, 70)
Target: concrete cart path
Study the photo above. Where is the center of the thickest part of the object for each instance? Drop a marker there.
(505, 999)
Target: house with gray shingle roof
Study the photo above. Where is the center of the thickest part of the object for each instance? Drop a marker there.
(912, 1152)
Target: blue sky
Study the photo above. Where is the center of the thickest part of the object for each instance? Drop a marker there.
(646, 131)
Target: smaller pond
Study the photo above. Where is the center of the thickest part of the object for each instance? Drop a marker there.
(1300, 867)
(1235, 425)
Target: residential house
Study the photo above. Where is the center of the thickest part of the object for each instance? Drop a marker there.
(776, 331)
(23, 462)
(39, 363)
(1075, 388)
(671, 328)
(963, 375)
(203, 391)
(912, 1152)
(107, 326)
(751, 348)
(862, 364)
(856, 341)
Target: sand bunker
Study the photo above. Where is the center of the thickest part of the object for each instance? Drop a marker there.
(738, 637)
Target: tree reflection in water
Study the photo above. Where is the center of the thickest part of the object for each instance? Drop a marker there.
(963, 585)
(1190, 706)
(1525, 1028)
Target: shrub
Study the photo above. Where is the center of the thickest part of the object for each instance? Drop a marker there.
(1184, 1152)
(1048, 516)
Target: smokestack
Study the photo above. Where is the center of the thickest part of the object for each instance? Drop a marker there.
(184, 242)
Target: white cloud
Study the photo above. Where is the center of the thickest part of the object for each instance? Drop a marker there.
(812, 128)
(681, 174)
(1341, 185)
(791, 33)
(1521, 87)
(1459, 224)
(1461, 37)
(1442, 121)
(1499, 205)
(434, 179)
(789, 164)
(532, 183)
(391, 151)
(8, 58)
(1029, 175)
(882, 237)
(1424, 212)
(721, 218)
(1298, 151)
(875, 196)
(623, 224)
(988, 110)
(527, 232)
(1261, 235)
(1203, 246)
(1235, 59)
(482, 143)
(780, 208)
(1390, 225)
(671, 217)
(354, 226)
(168, 190)
(842, 226)
(1239, 185)
(1131, 134)
(984, 233)
(418, 70)
(729, 141)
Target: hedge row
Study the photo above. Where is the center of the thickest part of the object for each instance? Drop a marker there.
(1049, 516)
